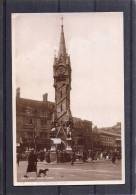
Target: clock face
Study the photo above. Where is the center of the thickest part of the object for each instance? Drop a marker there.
(61, 70)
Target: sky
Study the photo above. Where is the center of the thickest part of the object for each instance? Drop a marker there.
(94, 42)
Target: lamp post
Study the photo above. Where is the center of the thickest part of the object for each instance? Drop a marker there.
(34, 133)
(29, 114)
(92, 139)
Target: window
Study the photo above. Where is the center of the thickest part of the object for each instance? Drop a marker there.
(80, 142)
(43, 122)
(43, 134)
(30, 134)
(28, 110)
(28, 121)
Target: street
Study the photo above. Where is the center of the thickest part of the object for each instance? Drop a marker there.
(97, 170)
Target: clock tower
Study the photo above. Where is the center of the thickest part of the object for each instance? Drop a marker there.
(62, 82)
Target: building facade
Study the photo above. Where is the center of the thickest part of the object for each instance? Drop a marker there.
(107, 138)
(33, 122)
(35, 119)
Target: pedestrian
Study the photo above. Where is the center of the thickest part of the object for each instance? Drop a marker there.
(42, 155)
(73, 158)
(32, 163)
(101, 156)
(93, 155)
(48, 160)
(58, 156)
(18, 158)
(84, 156)
(107, 157)
(114, 155)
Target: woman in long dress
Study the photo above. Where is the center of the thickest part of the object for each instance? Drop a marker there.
(32, 163)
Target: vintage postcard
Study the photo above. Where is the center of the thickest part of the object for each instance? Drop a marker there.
(68, 98)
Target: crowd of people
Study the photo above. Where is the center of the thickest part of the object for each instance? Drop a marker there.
(63, 156)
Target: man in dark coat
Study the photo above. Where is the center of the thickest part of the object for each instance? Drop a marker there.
(18, 158)
(84, 156)
(32, 163)
(114, 156)
(73, 158)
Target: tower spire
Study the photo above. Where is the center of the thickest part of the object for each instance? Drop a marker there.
(62, 45)
(62, 21)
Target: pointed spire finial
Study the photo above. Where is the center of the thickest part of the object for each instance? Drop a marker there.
(62, 46)
(61, 21)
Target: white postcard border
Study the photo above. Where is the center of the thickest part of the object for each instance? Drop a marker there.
(54, 183)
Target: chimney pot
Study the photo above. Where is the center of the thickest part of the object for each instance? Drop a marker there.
(45, 97)
(18, 92)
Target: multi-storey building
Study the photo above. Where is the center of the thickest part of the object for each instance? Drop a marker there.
(108, 138)
(34, 120)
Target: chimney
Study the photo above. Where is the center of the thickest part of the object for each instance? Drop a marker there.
(45, 97)
(18, 92)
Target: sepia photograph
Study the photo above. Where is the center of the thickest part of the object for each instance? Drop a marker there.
(68, 98)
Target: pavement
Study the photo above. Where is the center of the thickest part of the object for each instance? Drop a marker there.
(89, 171)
